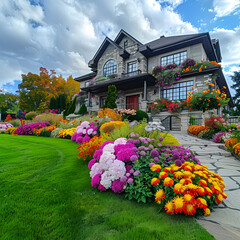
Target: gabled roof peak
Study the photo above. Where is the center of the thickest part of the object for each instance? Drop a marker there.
(123, 33)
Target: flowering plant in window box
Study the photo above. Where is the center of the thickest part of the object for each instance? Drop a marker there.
(207, 100)
(161, 105)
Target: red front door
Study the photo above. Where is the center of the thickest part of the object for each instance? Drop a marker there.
(132, 102)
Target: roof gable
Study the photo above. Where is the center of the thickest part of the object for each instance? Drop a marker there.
(93, 63)
(122, 34)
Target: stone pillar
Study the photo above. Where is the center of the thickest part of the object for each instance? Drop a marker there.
(89, 99)
(184, 121)
(145, 91)
(144, 105)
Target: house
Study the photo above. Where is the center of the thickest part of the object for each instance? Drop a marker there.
(127, 63)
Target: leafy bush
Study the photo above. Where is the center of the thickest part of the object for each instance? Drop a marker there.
(83, 109)
(111, 97)
(30, 115)
(110, 126)
(192, 120)
(53, 119)
(70, 107)
(15, 123)
(208, 134)
(140, 115)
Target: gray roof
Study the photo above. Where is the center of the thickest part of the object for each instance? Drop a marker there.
(166, 41)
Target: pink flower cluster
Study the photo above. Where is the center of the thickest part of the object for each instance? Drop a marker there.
(111, 166)
(5, 125)
(85, 131)
(29, 128)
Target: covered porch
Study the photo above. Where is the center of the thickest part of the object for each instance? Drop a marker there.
(132, 91)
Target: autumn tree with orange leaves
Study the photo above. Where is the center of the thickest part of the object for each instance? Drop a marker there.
(36, 89)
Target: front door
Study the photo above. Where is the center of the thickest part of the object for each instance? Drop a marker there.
(132, 102)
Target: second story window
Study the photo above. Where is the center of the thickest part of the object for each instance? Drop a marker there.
(132, 67)
(109, 68)
(87, 83)
(176, 58)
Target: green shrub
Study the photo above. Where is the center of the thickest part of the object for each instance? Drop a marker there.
(192, 121)
(70, 108)
(111, 97)
(140, 115)
(15, 123)
(20, 114)
(82, 110)
(30, 115)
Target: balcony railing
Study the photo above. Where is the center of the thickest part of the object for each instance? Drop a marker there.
(131, 74)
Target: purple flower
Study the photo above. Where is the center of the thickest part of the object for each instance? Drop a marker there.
(117, 186)
(101, 187)
(123, 179)
(178, 163)
(91, 163)
(154, 153)
(151, 164)
(130, 181)
(159, 144)
(96, 180)
(142, 153)
(160, 139)
(176, 155)
(156, 159)
(165, 155)
(136, 173)
(128, 167)
(98, 154)
(133, 158)
(132, 135)
(135, 149)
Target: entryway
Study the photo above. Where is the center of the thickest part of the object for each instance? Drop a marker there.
(132, 102)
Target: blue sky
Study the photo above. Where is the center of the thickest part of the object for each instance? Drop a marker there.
(64, 35)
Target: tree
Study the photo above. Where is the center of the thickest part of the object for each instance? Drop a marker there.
(35, 88)
(72, 87)
(111, 97)
(236, 86)
(8, 102)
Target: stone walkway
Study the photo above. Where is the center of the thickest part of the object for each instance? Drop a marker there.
(227, 214)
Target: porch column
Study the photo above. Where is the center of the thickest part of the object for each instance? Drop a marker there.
(89, 99)
(145, 91)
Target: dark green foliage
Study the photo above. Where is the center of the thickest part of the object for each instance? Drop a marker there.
(30, 115)
(140, 115)
(208, 134)
(141, 189)
(192, 121)
(111, 97)
(83, 109)
(70, 108)
(58, 103)
(45, 133)
(53, 103)
(20, 114)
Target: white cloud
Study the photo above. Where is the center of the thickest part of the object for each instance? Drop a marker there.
(65, 35)
(225, 7)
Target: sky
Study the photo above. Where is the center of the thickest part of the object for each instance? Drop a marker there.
(65, 34)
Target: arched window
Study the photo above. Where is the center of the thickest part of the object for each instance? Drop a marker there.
(109, 68)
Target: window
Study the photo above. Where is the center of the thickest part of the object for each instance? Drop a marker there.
(109, 68)
(132, 67)
(87, 83)
(178, 91)
(176, 58)
(102, 101)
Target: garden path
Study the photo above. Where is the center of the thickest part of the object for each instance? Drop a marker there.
(227, 214)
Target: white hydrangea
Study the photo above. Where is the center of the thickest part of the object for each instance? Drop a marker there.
(120, 141)
(109, 148)
(106, 160)
(96, 169)
(152, 126)
(106, 180)
(117, 169)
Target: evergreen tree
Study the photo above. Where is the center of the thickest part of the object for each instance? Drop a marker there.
(236, 86)
(111, 97)
(53, 103)
(61, 102)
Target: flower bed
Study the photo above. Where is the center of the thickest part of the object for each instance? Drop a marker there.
(29, 129)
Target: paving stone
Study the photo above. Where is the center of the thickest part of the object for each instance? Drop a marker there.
(237, 179)
(228, 165)
(233, 200)
(230, 184)
(226, 217)
(228, 172)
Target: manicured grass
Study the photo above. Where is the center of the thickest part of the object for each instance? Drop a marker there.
(45, 193)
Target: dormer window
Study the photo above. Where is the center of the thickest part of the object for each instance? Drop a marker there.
(176, 58)
(109, 68)
(132, 67)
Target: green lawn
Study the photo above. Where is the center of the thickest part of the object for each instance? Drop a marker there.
(45, 193)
